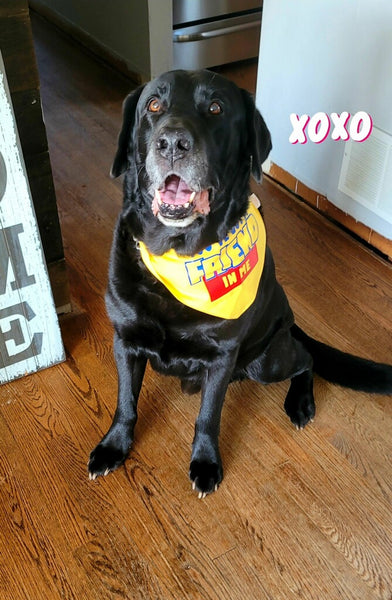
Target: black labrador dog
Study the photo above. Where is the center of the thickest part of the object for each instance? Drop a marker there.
(192, 284)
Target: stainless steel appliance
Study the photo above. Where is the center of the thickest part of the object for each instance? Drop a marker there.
(209, 33)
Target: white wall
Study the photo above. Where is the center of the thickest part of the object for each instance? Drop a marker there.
(329, 56)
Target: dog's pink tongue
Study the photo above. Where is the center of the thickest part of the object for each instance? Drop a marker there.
(175, 192)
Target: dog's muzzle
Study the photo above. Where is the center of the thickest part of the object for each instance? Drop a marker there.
(176, 168)
(175, 203)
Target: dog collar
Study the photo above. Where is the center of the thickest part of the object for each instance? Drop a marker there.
(221, 280)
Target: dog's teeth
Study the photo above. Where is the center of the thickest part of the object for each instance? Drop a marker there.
(158, 196)
(192, 197)
(186, 205)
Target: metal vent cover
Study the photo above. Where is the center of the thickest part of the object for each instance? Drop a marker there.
(366, 173)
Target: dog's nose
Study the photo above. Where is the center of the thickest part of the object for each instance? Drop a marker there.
(174, 143)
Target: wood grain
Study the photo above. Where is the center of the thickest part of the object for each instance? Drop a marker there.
(299, 514)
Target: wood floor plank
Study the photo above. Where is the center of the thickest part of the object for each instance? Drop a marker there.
(299, 514)
(40, 564)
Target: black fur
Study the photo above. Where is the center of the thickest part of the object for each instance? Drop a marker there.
(219, 152)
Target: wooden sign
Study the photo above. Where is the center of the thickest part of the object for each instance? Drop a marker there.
(30, 336)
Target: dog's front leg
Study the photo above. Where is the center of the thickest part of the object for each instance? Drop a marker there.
(113, 449)
(206, 470)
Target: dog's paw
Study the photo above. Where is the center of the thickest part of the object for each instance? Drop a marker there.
(104, 459)
(300, 412)
(205, 476)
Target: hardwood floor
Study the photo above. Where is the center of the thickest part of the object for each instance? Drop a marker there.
(299, 514)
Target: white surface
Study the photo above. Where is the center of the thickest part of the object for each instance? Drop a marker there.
(327, 56)
(16, 210)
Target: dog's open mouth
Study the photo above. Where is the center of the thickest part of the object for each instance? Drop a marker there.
(176, 202)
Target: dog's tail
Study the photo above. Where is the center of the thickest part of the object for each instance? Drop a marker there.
(345, 369)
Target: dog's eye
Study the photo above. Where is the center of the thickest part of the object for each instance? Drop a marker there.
(215, 108)
(154, 105)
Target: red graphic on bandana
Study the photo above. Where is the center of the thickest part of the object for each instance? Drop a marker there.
(220, 285)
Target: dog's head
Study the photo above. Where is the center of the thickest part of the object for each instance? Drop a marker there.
(188, 143)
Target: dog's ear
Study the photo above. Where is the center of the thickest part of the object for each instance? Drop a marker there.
(125, 141)
(259, 138)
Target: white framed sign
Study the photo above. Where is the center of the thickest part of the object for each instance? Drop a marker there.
(30, 337)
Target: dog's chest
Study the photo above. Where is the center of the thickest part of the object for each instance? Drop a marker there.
(182, 349)
(176, 338)
(184, 332)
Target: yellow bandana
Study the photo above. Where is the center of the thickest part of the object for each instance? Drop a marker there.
(223, 279)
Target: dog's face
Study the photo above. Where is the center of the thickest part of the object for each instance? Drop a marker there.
(188, 139)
